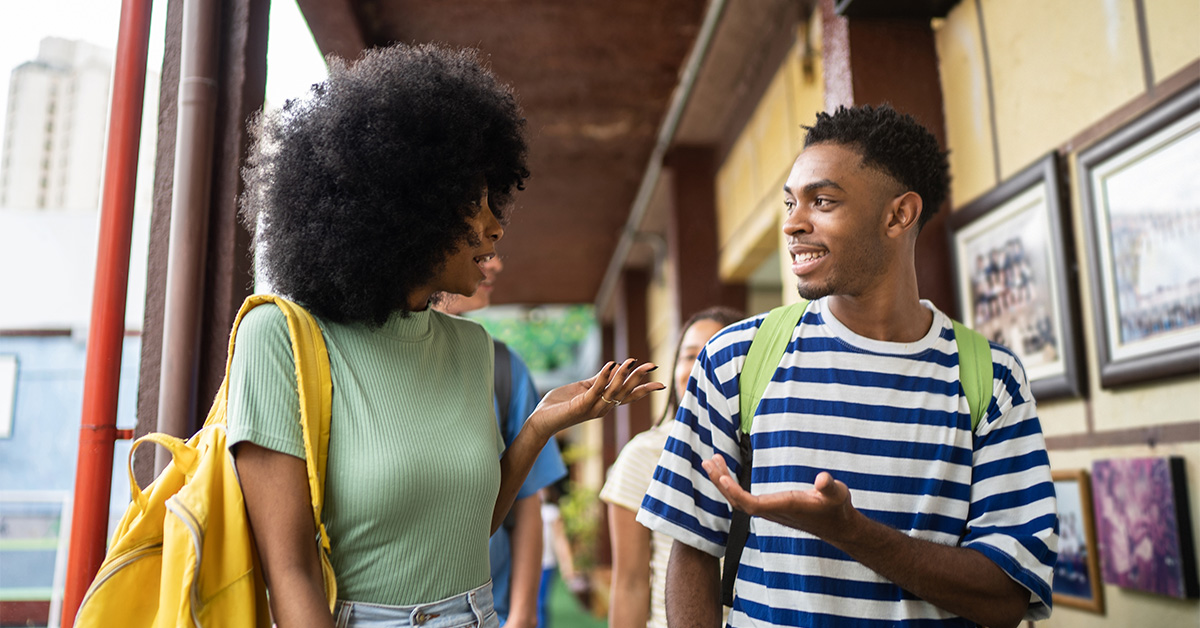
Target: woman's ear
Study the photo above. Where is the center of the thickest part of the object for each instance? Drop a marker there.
(904, 212)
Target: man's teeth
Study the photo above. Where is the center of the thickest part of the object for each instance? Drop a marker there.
(806, 257)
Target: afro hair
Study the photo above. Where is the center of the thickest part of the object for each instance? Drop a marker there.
(893, 143)
(357, 193)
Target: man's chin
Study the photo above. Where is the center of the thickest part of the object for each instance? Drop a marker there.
(809, 292)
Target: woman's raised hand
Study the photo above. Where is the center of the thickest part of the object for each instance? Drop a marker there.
(575, 403)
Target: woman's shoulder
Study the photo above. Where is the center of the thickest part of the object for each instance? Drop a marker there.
(264, 324)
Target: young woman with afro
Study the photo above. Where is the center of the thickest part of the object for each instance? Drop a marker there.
(388, 184)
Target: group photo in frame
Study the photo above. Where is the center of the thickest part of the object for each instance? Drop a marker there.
(1013, 281)
(1140, 197)
(1077, 573)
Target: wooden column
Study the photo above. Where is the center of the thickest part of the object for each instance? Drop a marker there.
(630, 340)
(228, 272)
(609, 448)
(692, 234)
(894, 61)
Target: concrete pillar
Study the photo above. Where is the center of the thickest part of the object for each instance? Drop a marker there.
(692, 234)
(228, 272)
(876, 61)
(630, 339)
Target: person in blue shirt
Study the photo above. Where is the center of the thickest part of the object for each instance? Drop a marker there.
(515, 548)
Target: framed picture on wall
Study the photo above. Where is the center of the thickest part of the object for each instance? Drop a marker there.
(1140, 190)
(1013, 280)
(1077, 574)
(1144, 525)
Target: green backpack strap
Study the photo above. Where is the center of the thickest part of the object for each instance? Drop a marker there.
(763, 357)
(974, 370)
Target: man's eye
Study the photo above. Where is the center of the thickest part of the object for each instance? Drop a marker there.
(789, 205)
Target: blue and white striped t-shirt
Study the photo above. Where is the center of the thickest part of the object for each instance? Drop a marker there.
(891, 421)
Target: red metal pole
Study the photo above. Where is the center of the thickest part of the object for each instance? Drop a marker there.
(98, 433)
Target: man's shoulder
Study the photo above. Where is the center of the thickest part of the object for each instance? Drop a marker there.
(734, 340)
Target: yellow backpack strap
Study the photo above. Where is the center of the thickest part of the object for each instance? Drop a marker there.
(315, 386)
(974, 370)
(762, 359)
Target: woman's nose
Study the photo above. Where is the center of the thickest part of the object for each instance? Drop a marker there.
(494, 229)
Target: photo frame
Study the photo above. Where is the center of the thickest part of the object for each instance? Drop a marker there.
(8, 393)
(1077, 574)
(1141, 211)
(1014, 283)
(1144, 525)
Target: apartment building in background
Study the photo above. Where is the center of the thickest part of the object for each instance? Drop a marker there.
(54, 127)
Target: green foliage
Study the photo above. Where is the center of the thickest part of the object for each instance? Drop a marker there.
(547, 338)
(580, 511)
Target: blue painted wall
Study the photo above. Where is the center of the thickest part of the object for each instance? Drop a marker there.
(41, 452)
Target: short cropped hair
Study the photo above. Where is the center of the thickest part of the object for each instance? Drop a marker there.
(893, 143)
(357, 193)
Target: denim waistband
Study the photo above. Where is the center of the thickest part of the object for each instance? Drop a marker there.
(471, 609)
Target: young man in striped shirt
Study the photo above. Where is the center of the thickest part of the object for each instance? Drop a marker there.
(873, 501)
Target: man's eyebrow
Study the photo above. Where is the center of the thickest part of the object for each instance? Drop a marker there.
(816, 185)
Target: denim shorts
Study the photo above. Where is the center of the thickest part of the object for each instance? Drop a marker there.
(472, 609)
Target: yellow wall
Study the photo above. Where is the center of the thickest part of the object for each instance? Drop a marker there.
(750, 180)
(1058, 68)
(1174, 36)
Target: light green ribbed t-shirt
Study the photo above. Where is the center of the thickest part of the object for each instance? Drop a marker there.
(413, 468)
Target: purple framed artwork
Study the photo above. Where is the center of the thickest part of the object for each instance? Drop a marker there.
(1143, 525)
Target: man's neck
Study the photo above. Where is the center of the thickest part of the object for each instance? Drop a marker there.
(906, 321)
(890, 311)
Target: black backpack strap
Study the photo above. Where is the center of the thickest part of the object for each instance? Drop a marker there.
(503, 382)
(739, 524)
(503, 392)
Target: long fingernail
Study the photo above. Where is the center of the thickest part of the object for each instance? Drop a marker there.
(655, 368)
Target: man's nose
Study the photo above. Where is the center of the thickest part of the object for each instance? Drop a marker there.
(797, 222)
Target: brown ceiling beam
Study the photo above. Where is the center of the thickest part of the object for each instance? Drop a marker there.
(335, 27)
(666, 136)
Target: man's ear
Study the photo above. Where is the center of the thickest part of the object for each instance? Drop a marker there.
(903, 213)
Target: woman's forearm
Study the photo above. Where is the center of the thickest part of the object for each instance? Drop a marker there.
(518, 459)
(629, 605)
(275, 487)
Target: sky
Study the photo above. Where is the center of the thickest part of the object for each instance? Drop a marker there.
(293, 61)
(68, 246)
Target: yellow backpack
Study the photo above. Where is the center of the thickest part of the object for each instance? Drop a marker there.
(183, 554)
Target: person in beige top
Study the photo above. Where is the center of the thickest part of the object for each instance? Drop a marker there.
(639, 574)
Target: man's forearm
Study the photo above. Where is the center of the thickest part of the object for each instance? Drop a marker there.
(526, 563)
(960, 580)
(693, 588)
